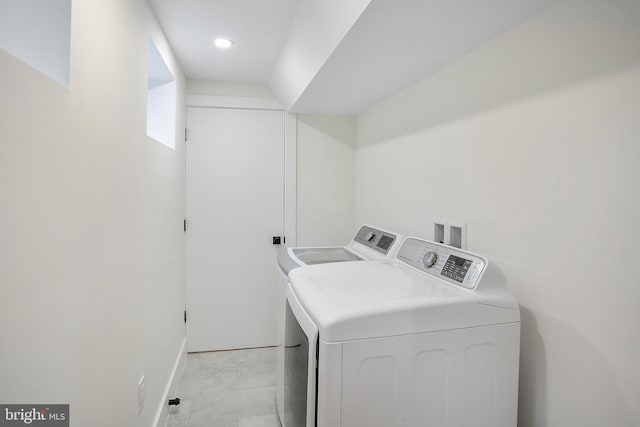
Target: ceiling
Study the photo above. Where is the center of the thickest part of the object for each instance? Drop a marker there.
(332, 57)
(258, 29)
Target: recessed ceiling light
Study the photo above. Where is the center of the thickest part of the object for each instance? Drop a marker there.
(223, 43)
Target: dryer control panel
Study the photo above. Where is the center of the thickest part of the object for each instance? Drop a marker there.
(453, 265)
(379, 240)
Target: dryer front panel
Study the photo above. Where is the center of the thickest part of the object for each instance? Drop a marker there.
(448, 378)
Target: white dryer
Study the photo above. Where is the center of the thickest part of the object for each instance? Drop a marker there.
(430, 338)
(369, 244)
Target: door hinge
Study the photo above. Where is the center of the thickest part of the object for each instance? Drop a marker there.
(185, 316)
(185, 134)
(184, 225)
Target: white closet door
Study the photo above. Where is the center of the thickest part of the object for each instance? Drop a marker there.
(235, 191)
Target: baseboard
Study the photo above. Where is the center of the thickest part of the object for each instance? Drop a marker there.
(176, 374)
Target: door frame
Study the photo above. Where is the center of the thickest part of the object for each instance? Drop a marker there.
(290, 162)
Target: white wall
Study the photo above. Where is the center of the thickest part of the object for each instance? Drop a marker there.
(91, 240)
(533, 140)
(223, 88)
(316, 31)
(326, 180)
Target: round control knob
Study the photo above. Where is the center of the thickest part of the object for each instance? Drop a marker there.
(370, 236)
(430, 259)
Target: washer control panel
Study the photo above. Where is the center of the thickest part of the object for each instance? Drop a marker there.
(379, 240)
(453, 265)
(430, 259)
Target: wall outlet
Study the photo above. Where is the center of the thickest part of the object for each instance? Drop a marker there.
(141, 394)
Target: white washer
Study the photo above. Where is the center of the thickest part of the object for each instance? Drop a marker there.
(369, 244)
(430, 338)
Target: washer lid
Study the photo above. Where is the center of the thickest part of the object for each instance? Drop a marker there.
(368, 243)
(311, 256)
(356, 300)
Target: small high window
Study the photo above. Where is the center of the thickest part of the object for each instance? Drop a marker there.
(38, 32)
(161, 99)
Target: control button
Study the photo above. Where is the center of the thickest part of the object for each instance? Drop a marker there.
(430, 259)
(370, 236)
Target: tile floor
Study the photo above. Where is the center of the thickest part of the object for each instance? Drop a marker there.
(233, 388)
